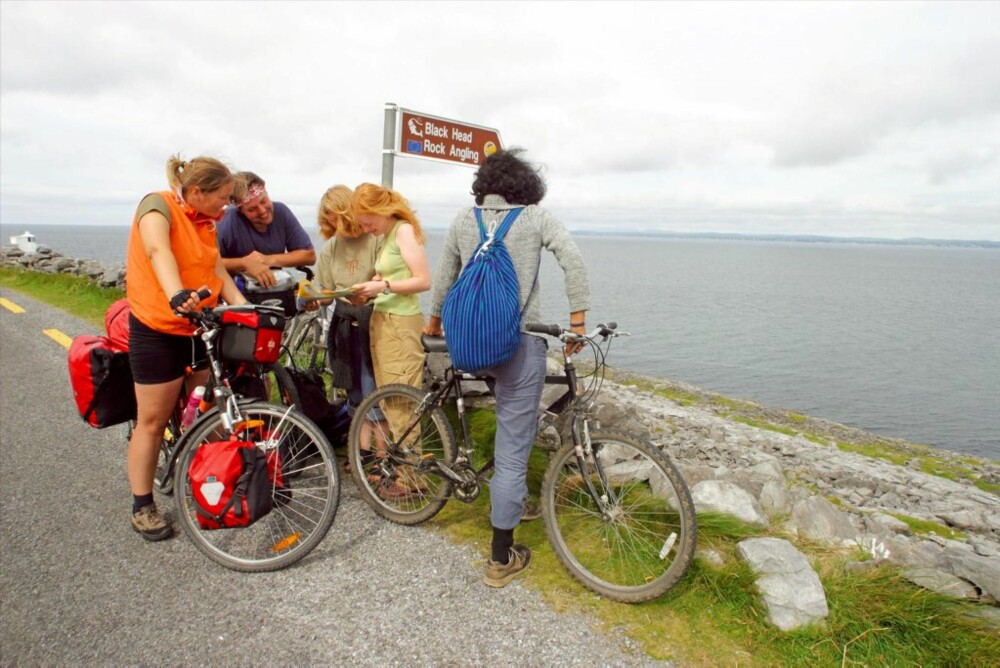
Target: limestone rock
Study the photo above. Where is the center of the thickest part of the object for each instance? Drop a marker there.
(774, 498)
(694, 473)
(789, 586)
(818, 519)
(983, 572)
(726, 497)
(943, 583)
(891, 523)
(710, 557)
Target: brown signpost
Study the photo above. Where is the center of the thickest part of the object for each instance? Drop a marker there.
(436, 138)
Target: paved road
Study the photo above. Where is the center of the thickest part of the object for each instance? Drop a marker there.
(77, 586)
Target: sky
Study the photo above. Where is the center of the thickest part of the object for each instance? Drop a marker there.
(839, 119)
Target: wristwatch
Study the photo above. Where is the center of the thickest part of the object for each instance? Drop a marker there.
(388, 290)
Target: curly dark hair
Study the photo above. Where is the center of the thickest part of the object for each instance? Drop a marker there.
(507, 175)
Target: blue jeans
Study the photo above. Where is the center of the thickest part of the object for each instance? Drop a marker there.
(517, 386)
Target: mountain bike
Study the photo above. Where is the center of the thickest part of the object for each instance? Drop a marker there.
(306, 501)
(618, 514)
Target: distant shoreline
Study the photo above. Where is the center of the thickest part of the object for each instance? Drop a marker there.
(717, 236)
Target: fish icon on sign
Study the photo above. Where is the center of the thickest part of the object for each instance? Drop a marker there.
(414, 125)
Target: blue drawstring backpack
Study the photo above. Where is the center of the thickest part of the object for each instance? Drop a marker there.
(482, 312)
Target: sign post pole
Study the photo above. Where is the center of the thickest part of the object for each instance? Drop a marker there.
(388, 143)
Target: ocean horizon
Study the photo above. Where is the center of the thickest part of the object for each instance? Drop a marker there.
(895, 338)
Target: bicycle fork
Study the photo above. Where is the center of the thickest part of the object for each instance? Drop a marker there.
(583, 449)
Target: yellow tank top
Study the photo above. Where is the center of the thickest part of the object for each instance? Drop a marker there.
(392, 267)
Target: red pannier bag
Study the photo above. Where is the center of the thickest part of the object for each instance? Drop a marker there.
(116, 325)
(102, 382)
(230, 484)
(251, 334)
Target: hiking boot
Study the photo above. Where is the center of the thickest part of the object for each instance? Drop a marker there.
(532, 511)
(149, 523)
(498, 575)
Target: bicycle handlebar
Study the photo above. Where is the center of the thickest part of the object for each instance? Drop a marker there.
(567, 336)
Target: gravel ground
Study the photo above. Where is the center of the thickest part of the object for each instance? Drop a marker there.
(78, 586)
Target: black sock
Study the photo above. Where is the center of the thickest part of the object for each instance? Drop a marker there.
(503, 540)
(139, 501)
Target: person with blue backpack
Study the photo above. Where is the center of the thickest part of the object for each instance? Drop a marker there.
(485, 287)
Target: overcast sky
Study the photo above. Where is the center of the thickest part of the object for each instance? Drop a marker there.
(842, 119)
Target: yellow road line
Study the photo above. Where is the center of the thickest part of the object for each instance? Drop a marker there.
(10, 306)
(58, 337)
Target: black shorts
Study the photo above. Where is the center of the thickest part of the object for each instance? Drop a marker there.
(156, 357)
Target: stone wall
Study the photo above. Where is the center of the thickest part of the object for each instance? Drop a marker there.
(48, 261)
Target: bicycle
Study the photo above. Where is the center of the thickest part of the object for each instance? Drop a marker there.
(304, 504)
(617, 513)
(266, 382)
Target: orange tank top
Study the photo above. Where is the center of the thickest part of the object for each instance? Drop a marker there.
(192, 241)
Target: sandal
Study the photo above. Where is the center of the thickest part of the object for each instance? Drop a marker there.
(394, 492)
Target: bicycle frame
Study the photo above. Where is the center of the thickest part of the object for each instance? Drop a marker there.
(451, 390)
(226, 401)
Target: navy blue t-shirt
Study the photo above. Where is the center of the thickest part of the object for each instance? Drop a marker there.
(238, 238)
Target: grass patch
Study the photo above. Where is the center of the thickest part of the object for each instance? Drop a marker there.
(678, 396)
(927, 527)
(876, 451)
(77, 294)
(763, 425)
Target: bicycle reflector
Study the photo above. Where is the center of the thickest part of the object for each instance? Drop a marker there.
(286, 542)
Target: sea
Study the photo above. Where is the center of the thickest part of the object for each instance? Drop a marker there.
(900, 340)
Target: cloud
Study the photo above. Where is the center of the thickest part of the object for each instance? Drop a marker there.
(708, 114)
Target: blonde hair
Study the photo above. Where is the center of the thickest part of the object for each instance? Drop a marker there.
(376, 200)
(207, 174)
(336, 215)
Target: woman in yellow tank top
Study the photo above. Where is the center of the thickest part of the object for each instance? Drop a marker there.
(402, 273)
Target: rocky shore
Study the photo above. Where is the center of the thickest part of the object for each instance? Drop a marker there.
(933, 513)
(799, 477)
(47, 261)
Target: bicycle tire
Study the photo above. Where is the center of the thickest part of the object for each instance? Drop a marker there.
(426, 491)
(298, 522)
(625, 556)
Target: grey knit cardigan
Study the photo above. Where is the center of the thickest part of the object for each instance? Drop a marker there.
(534, 229)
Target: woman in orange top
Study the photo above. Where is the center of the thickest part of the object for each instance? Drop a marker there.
(172, 253)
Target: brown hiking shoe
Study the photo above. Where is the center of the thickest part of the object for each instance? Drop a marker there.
(149, 523)
(498, 575)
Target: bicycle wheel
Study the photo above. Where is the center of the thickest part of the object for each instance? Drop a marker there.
(304, 507)
(403, 486)
(644, 543)
(306, 347)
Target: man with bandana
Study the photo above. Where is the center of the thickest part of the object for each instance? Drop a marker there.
(257, 234)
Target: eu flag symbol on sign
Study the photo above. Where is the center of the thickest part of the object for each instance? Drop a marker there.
(414, 146)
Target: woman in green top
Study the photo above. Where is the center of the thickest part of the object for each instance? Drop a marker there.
(401, 274)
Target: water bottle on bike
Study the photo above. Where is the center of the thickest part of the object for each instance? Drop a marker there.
(193, 406)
